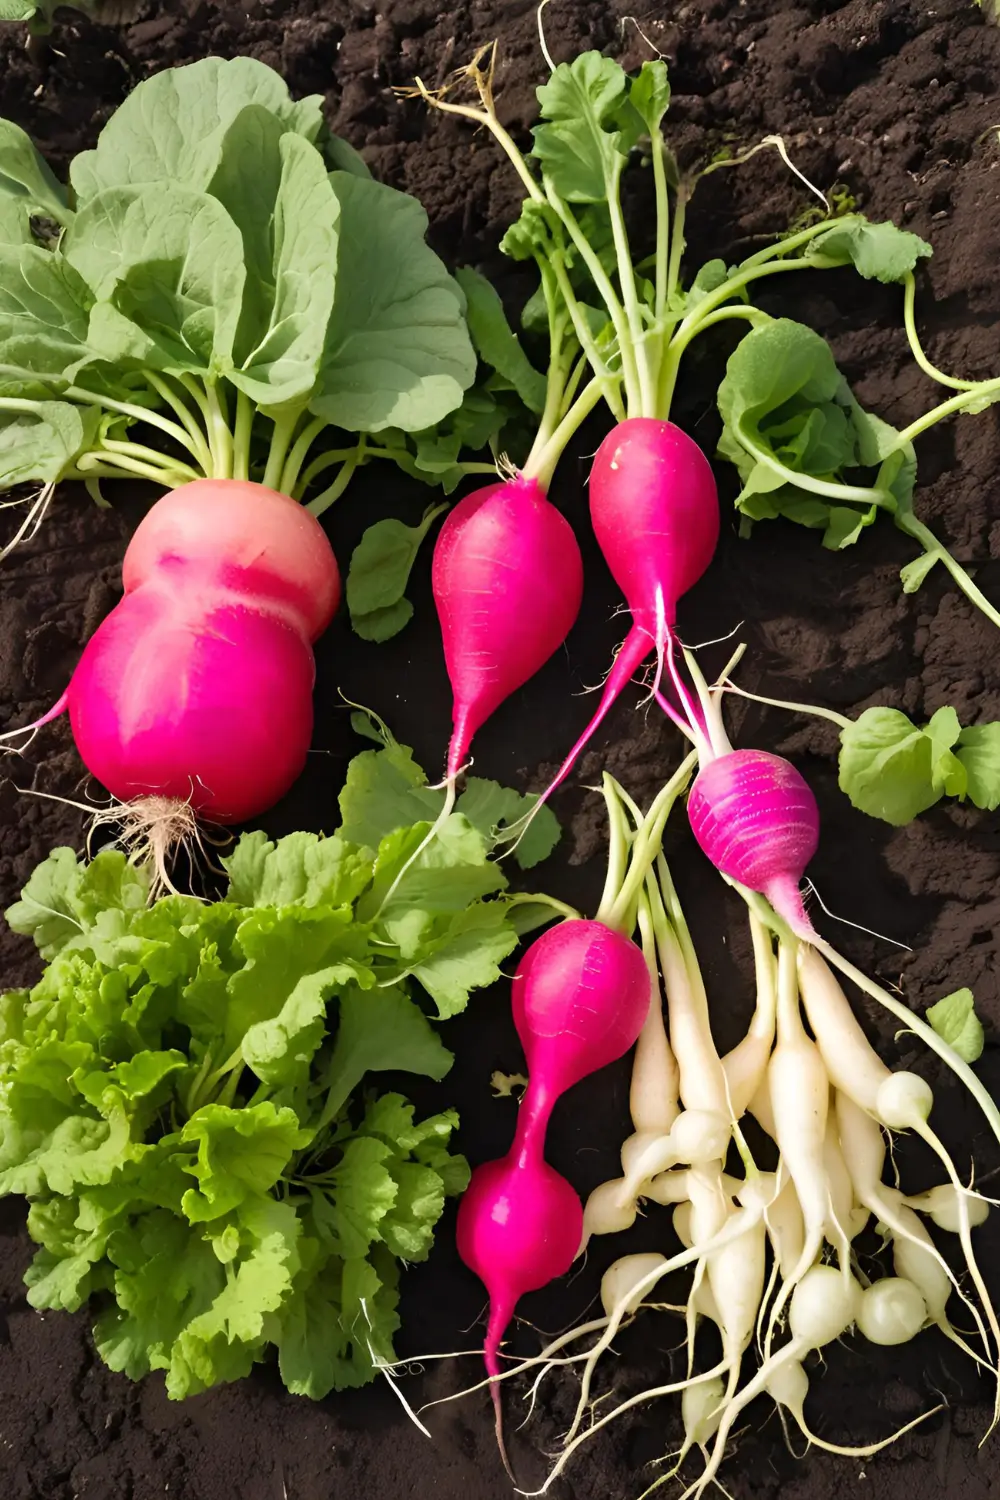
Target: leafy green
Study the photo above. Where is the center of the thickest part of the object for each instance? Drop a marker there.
(879, 252)
(380, 570)
(495, 341)
(955, 1021)
(232, 268)
(893, 769)
(185, 1096)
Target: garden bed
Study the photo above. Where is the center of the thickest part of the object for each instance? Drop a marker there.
(894, 102)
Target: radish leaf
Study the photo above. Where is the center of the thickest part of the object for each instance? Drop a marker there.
(955, 1021)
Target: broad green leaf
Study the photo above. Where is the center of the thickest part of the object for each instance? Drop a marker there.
(397, 351)
(362, 1192)
(495, 341)
(491, 807)
(385, 790)
(978, 749)
(955, 1021)
(281, 1050)
(172, 126)
(64, 895)
(887, 766)
(45, 443)
(467, 956)
(408, 1226)
(275, 187)
(167, 267)
(588, 127)
(240, 1153)
(381, 1031)
(26, 176)
(44, 317)
(947, 770)
(879, 252)
(301, 869)
(445, 875)
(380, 570)
(914, 573)
(15, 222)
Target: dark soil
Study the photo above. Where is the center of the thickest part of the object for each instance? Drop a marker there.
(893, 100)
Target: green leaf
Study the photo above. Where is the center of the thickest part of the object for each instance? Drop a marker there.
(281, 1050)
(879, 252)
(62, 899)
(588, 127)
(171, 128)
(241, 1153)
(380, 1031)
(446, 875)
(26, 176)
(464, 956)
(44, 318)
(979, 752)
(790, 421)
(914, 573)
(380, 570)
(492, 808)
(166, 264)
(650, 93)
(887, 766)
(495, 341)
(275, 188)
(408, 1226)
(385, 790)
(45, 443)
(302, 869)
(397, 352)
(955, 1021)
(362, 1192)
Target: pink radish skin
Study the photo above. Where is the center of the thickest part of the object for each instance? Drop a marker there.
(756, 819)
(508, 582)
(198, 685)
(655, 512)
(579, 999)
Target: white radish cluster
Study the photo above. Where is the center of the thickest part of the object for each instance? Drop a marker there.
(828, 1103)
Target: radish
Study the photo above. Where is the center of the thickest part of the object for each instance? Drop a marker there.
(194, 695)
(508, 581)
(580, 997)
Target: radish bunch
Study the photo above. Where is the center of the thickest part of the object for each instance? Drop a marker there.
(828, 1103)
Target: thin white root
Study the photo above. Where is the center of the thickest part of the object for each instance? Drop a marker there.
(38, 507)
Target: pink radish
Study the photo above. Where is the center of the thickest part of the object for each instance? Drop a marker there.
(580, 997)
(756, 819)
(508, 582)
(655, 513)
(196, 691)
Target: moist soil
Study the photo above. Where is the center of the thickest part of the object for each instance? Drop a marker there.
(894, 102)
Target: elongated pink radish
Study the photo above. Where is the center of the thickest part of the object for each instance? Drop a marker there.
(655, 512)
(580, 997)
(508, 582)
(756, 819)
(196, 690)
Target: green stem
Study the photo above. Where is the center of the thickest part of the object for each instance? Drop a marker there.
(606, 292)
(199, 442)
(334, 491)
(626, 279)
(907, 522)
(242, 430)
(795, 708)
(647, 841)
(609, 380)
(619, 840)
(220, 436)
(555, 382)
(99, 464)
(745, 275)
(946, 408)
(828, 488)
(910, 322)
(662, 224)
(793, 241)
(299, 453)
(334, 456)
(146, 455)
(538, 898)
(679, 344)
(128, 409)
(284, 430)
(541, 464)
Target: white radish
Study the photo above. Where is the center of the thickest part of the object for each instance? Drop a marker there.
(941, 1204)
(746, 1065)
(623, 1276)
(891, 1311)
(788, 1387)
(845, 1221)
(702, 1080)
(653, 1097)
(854, 1067)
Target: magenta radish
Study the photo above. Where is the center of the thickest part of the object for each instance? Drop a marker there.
(579, 998)
(756, 819)
(508, 583)
(196, 690)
